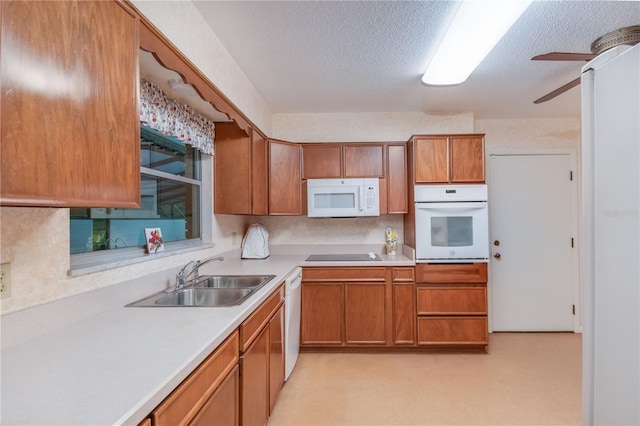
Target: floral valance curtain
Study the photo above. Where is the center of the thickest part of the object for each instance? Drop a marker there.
(170, 117)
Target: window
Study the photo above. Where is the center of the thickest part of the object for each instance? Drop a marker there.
(170, 199)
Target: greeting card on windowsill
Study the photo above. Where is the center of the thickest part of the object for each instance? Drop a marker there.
(155, 243)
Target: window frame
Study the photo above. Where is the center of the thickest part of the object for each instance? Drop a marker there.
(85, 263)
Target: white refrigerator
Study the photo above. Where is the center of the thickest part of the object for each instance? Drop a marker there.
(610, 263)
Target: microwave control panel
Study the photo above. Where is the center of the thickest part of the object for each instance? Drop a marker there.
(370, 197)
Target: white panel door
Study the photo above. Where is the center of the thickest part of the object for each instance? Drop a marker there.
(531, 230)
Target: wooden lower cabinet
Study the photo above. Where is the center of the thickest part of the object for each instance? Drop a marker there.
(254, 383)
(457, 330)
(276, 356)
(365, 313)
(199, 392)
(238, 384)
(223, 408)
(452, 300)
(262, 360)
(404, 310)
(344, 307)
(404, 307)
(451, 304)
(322, 316)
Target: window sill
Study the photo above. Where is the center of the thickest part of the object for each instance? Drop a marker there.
(87, 263)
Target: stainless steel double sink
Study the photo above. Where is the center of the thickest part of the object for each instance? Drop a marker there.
(208, 291)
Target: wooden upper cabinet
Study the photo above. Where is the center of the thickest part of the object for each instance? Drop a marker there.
(336, 160)
(285, 184)
(363, 160)
(259, 175)
(69, 130)
(240, 171)
(396, 179)
(232, 170)
(449, 159)
(467, 158)
(321, 161)
(432, 159)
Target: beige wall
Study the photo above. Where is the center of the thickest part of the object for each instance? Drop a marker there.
(541, 133)
(362, 127)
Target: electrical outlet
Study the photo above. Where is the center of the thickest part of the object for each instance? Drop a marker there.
(234, 238)
(5, 280)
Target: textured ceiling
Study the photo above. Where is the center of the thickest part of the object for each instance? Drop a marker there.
(369, 56)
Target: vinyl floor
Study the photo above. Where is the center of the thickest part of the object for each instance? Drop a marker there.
(524, 379)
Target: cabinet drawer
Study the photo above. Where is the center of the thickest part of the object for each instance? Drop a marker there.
(187, 399)
(451, 300)
(344, 274)
(251, 327)
(403, 275)
(452, 331)
(451, 273)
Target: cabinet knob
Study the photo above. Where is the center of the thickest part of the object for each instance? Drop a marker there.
(497, 255)
(496, 243)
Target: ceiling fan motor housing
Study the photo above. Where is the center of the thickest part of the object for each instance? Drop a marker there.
(626, 35)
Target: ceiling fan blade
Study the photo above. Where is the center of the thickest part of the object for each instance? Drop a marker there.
(564, 56)
(558, 91)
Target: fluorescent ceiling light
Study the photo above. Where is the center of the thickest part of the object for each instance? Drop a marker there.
(478, 25)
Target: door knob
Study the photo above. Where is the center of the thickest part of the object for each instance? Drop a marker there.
(496, 243)
(497, 255)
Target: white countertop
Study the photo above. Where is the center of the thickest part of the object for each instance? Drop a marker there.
(113, 364)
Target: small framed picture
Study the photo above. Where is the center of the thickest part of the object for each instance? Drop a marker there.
(155, 243)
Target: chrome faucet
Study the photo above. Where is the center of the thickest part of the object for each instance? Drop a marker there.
(182, 277)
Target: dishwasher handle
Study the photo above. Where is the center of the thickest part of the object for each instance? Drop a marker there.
(294, 280)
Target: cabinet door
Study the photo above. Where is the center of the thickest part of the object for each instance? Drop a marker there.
(365, 313)
(321, 161)
(467, 159)
(431, 159)
(232, 171)
(404, 312)
(223, 407)
(397, 186)
(254, 382)
(363, 160)
(185, 402)
(259, 175)
(285, 196)
(76, 141)
(321, 314)
(276, 356)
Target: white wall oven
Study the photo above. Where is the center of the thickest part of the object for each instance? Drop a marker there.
(452, 223)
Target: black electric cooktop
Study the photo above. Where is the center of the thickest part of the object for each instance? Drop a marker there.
(351, 257)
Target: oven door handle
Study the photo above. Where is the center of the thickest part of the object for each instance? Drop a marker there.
(451, 209)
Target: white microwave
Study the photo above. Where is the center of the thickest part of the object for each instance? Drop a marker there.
(343, 197)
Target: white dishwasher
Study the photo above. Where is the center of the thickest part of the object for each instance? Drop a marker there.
(292, 320)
